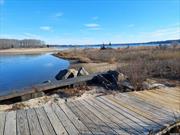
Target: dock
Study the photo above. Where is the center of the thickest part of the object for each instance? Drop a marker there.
(142, 112)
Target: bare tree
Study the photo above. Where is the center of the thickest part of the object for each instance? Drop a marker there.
(25, 43)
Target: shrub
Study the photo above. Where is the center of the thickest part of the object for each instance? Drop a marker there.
(136, 72)
(169, 69)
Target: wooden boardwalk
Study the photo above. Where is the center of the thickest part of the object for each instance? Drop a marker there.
(127, 113)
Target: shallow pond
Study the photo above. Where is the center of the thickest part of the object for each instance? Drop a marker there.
(19, 71)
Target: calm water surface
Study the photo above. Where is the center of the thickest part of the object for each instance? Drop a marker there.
(19, 71)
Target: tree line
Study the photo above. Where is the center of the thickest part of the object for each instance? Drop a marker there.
(25, 43)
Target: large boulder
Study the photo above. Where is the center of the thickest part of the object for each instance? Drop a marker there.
(71, 73)
(61, 74)
(82, 72)
(66, 73)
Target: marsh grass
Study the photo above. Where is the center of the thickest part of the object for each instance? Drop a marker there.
(141, 62)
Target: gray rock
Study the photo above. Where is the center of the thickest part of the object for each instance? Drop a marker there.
(122, 77)
(48, 81)
(66, 73)
(71, 74)
(152, 85)
(55, 96)
(61, 74)
(127, 85)
(82, 72)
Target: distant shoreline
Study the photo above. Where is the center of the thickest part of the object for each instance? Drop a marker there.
(27, 51)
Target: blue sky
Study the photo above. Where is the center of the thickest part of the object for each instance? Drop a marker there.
(90, 21)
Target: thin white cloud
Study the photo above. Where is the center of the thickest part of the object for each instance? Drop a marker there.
(92, 25)
(30, 35)
(21, 36)
(46, 28)
(166, 33)
(1, 2)
(59, 14)
(162, 34)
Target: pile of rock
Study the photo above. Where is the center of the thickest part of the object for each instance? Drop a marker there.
(113, 80)
(71, 73)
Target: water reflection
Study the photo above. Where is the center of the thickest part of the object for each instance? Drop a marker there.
(18, 71)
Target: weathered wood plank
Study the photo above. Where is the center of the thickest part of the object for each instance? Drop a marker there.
(156, 101)
(101, 124)
(123, 113)
(123, 120)
(144, 106)
(74, 119)
(150, 116)
(22, 123)
(68, 125)
(82, 117)
(44, 122)
(34, 125)
(57, 125)
(166, 93)
(103, 117)
(114, 116)
(2, 122)
(173, 91)
(10, 125)
(151, 104)
(169, 98)
(135, 122)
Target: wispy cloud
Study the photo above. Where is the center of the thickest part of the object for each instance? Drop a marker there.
(93, 26)
(1, 2)
(25, 35)
(30, 35)
(163, 33)
(46, 28)
(59, 14)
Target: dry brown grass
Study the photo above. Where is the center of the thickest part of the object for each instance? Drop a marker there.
(141, 62)
(120, 55)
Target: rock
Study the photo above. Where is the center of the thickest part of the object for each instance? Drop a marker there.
(61, 74)
(48, 81)
(71, 74)
(82, 72)
(151, 84)
(126, 84)
(55, 96)
(122, 77)
(66, 73)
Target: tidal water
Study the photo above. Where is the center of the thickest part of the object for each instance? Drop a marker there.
(99, 46)
(19, 71)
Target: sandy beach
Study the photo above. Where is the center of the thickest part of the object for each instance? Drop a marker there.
(28, 50)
